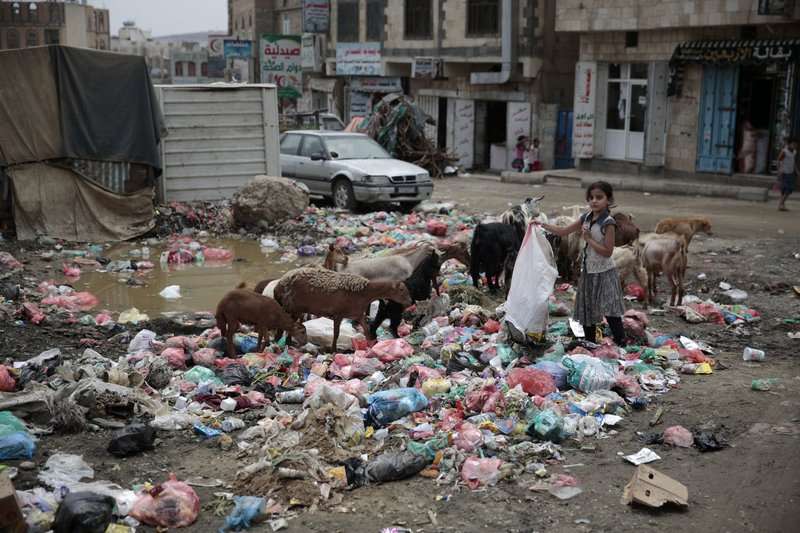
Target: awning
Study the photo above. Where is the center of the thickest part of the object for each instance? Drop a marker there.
(731, 52)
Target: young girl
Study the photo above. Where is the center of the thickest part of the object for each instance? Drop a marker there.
(518, 163)
(599, 291)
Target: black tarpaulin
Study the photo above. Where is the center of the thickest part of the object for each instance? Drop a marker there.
(63, 102)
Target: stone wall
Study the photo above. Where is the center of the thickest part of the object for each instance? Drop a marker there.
(630, 15)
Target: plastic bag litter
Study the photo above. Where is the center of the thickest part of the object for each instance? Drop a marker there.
(176, 357)
(84, 512)
(17, 445)
(354, 366)
(7, 383)
(387, 406)
(205, 357)
(247, 512)
(9, 262)
(132, 316)
(131, 440)
(217, 254)
(678, 436)
(556, 370)
(392, 466)
(390, 350)
(65, 470)
(320, 332)
(141, 342)
(170, 504)
(476, 471)
(532, 284)
(547, 425)
(467, 437)
(533, 381)
(171, 292)
(174, 421)
(589, 374)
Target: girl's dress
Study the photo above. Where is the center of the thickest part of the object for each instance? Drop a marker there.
(599, 291)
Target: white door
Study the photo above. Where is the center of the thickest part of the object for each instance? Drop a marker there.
(464, 132)
(626, 111)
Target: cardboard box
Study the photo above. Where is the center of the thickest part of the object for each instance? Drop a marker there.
(652, 488)
(11, 519)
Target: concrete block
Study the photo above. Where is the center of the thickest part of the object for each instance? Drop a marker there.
(753, 194)
(532, 178)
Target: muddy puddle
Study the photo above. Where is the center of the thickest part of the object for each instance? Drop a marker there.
(202, 285)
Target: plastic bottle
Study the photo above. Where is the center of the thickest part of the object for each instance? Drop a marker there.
(431, 329)
(145, 252)
(199, 258)
(228, 404)
(752, 354)
(291, 396)
(232, 424)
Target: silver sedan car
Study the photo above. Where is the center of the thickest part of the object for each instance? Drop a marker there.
(352, 169)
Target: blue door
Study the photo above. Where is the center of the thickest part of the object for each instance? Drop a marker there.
(563, 155)
(717, 128)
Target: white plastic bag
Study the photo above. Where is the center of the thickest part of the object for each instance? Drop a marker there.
(532, 284)
(172, 292)
(320, 332)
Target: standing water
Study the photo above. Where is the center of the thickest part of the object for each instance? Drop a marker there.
(202, 285)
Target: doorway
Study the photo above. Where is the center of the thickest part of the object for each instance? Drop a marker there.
(758, 128)
(626, 111)
(490, 134)
(441, 124)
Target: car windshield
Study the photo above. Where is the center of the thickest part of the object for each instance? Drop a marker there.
(355, 148)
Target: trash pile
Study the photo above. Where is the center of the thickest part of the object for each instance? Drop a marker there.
(398, 124)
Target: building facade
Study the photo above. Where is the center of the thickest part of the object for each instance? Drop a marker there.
(25, 24)
(676, 87)
(133, 40)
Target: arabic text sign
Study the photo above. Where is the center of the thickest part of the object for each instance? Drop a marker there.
(316, 16)
(746, 52)
(281, 63)
(358, 59)
(583, 127)
(234, 49)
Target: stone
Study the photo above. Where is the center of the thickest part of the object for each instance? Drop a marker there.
(27, 465)
(268, 200)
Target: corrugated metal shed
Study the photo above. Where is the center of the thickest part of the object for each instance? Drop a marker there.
(218, 138)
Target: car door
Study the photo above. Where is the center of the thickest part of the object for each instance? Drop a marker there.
(290, 144)
(313, 173)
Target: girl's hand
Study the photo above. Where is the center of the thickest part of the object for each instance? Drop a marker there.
(586, 235)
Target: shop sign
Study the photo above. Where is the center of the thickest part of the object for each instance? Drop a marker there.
(358, 59)
(216, 45)
(316, 16)
(426, 67)
(583, 127)
(281, 64)
(359, 104)
(235, 49)
(464, 132)
(376, 85)
(312, 52)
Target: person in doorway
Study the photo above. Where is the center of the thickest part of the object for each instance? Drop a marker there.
(787, 171)
(599, 291)
(534, 157)
(521, 147)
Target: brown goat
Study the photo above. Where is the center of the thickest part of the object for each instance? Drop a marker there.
(687, 227)
(457, 248)
(336, 256)
(627, 232)
(241, 306)
(336, 296)
(666, 255)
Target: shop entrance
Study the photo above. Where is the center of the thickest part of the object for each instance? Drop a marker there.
(758, 128)
(491, 119)
(626, 112)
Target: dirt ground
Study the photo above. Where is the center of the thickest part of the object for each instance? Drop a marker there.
(752, 485)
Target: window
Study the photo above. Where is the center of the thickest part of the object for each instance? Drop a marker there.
(311, 145)
(250, 20)
(631, 39)
(347, 22)
(15, 12)
(32, 39)
(418, 19)
(204, 69)
(12, 39)
(51, 37)
(55, 13)
(375, 20)
(100, 22)
(290, 143)
(192, 70)
(33, 12)
(483, 17)
(178, 68)
(286, 25)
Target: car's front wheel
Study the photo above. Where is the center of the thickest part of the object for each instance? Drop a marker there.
(343, 196)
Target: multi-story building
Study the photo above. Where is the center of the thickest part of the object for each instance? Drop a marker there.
(674, 87)
(75, 23)
(136, 41)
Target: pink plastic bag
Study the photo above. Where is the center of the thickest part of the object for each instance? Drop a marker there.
(176, 357)
(170, 504)
(534, 382)
(491, 326)
(32, 312)
(436, 227)
(486, 400)
(468, 437)
(391, 350)
(186, 343)
(678, 436)
(71, 271)
(636, 291)
(424, 373)
(9, 262)
(476, 472)
(217, 254)
(7, 383)
(205, 357)
(628, 385)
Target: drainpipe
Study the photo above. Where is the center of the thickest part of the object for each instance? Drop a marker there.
(508, 50)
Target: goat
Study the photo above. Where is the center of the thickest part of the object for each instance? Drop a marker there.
(398, 264)
(665, 255)
(491, 244)
(568, 251)
(626, 232)
(627, 261)
(457, 248)
(241, 306)
(335, 295)
(419, 285)
(687, 227)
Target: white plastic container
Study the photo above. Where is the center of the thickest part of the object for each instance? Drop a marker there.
(752, 354)
(228, 404)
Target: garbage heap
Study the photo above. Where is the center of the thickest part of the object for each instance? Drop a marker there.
(398, 124)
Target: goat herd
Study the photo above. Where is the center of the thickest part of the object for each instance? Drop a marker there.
(344, 289)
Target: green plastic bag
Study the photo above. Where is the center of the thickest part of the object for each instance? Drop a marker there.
(200, 374)
(10, 424)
